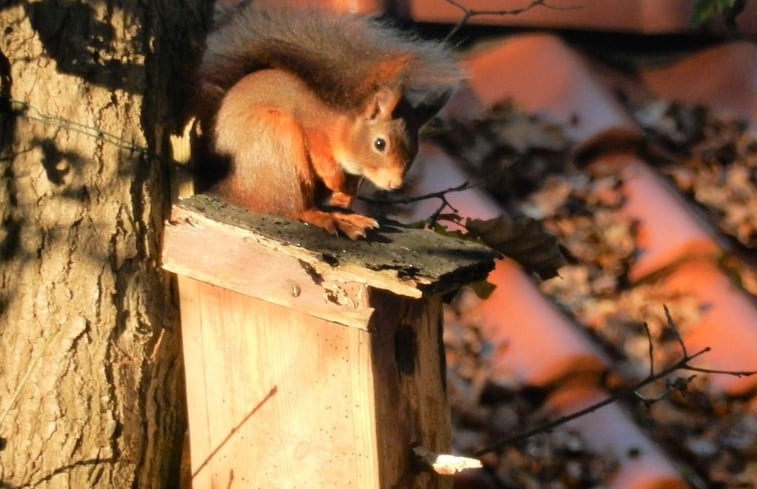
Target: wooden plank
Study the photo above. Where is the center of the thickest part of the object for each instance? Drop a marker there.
(287, 398)
(277, 398)
(191, 297)
(407, 358)
(279, 393)
(203, 231)
(222, 255)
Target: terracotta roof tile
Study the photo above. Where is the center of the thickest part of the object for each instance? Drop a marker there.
(536, 343)
(647, 16)
(439, 172)
(642, 463)
(539, 73)
(516, 317)
(723, 76)
(668, 230)
(539, 344)
(728, 324)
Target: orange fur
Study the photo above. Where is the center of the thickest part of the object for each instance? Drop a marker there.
(283, 141)
(303, 103)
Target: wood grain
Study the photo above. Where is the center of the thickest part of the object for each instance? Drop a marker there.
(311, 360)
(406, 261)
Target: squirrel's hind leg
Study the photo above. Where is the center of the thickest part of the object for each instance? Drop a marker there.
(270, 169)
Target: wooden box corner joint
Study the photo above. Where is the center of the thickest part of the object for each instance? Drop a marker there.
(312, 361)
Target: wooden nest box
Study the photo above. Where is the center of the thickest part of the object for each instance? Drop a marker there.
(311, 360)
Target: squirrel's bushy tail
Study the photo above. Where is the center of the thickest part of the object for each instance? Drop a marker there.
(342, 58)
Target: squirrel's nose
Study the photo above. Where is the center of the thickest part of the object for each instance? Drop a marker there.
(394, 182)
(386, 179)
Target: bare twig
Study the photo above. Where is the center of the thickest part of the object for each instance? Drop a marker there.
(684, 363)
(439, 194)
(469, 12)
(679, 384)
(625, 392)
(674, 329)
(647, 400)
(735, 373)
(445, 204)
(651, 349)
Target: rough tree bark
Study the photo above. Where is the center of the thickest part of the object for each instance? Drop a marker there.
(90, 374)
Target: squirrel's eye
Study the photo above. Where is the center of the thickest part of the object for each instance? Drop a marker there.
(379, 144)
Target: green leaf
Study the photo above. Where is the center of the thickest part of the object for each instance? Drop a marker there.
(705, 10)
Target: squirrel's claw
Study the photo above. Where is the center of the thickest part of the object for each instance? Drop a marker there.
(351, 225)
(354, 226)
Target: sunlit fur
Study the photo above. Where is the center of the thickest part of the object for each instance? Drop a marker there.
(297, 100)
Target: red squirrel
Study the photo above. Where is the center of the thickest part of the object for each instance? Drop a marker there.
(301, 103)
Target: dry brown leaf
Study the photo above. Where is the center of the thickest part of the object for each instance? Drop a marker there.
(522, 239)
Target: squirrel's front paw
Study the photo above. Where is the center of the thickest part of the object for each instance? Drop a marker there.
(353, 226)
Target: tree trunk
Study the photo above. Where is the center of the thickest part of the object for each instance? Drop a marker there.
(91, 389)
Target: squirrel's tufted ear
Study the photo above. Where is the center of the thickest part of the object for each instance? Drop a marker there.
(382, 103)
(430, 106)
